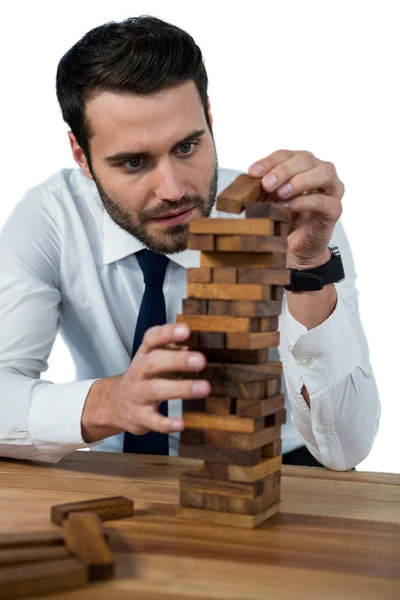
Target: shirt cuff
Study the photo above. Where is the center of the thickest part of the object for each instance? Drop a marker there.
(54, 422)
(327, 353)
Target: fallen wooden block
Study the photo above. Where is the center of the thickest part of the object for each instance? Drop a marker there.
(84, 538)
(17, 556)
(115, 507)
(31, 539)
(41, 578)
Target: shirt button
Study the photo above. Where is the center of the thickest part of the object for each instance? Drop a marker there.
(305, 361)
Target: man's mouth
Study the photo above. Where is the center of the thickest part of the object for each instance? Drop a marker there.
(174, 218)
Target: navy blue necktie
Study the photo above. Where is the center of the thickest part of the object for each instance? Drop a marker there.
(152, 312)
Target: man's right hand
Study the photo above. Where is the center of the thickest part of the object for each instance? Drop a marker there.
(130, 402)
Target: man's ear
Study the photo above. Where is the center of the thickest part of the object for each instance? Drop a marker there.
(209, 111)
(79, 156)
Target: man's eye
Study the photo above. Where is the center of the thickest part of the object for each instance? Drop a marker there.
(188, 147)
(133, 164)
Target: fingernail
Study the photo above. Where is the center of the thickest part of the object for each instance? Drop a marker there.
(257, 169)
(195, 361)
(181, 330)
(285, 190)
(269, 182)
(201, 388)
(177, 425)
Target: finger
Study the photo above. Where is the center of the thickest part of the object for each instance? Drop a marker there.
(159, 389)
(152, 420)
(323, 178)
(282, 173)
(157, 337)
(264, 165)
(329, 208)
(158, 362)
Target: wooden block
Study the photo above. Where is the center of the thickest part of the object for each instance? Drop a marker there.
(211, 339)
(192, 306)
(260, 408)
(219, 406)
(272, 450)
(41, 578)
(232, 226)
(263, 469)
(249, 243)
(192, 436)
(267, 210)
(252, 341)
(191, 498)
(238, 308)
(223, 372)
(248, 506)
(246, 357)
(277, 292)
(242, 441)
(115, 507)
(201, 242)
(83, 532)
(33, 539)
(273, 386)
(196, 404)
(217, 323)
(200, 275)
(234, 389)
(211, 421)
(215, 470)
(228, 291)
(197, 480)
(215, 503)
(220, 454)
(281, 229)
(17, 556)
(262, 276)
(268, 324)
(276, 419)
(243, 189)
(228, 519)
(223, 274)
(244, 259)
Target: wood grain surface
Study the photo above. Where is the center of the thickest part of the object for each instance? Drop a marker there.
(337, 535)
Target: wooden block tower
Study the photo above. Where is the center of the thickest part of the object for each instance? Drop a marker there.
(233, 303)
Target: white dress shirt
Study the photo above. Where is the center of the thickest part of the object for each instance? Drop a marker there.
(66, 266)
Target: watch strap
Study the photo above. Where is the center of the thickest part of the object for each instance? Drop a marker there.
(311, 280)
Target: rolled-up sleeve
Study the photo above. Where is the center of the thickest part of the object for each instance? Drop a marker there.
(332, 362)
(39, 420)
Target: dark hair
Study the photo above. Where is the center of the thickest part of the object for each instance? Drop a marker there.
(140, 55)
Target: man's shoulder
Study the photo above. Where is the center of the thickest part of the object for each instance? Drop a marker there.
(70, 181)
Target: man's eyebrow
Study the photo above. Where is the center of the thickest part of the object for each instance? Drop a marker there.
(122, 156)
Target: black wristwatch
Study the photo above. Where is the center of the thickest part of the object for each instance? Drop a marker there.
(311, 280)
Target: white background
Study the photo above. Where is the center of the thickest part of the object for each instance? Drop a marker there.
(316, 75)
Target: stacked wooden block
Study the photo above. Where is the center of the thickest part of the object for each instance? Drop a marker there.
(233, 303)
(38, 563)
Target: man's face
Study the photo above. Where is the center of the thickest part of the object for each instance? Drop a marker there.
(154, 163)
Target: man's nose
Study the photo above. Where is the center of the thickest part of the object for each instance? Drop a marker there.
(168, 184)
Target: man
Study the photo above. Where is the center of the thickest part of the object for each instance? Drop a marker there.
(71, 259)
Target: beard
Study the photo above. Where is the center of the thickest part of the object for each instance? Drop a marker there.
(163, 240)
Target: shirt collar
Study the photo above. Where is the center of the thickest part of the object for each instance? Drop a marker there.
(118, 243)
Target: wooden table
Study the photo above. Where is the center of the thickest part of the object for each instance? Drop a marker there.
(337, 535)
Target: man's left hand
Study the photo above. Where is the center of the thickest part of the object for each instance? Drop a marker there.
(313, 191)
